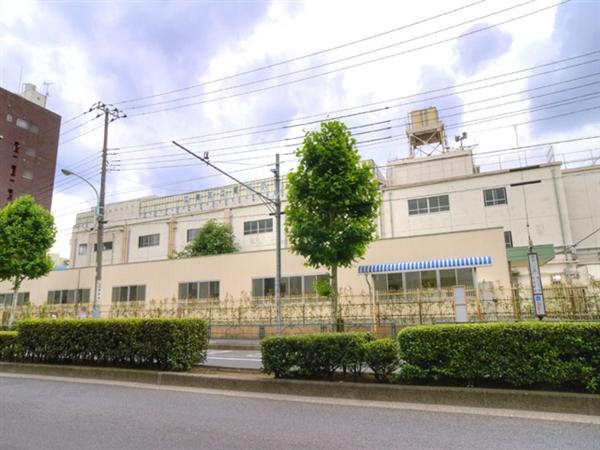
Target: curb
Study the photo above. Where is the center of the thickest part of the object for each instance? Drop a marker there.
(546, 401)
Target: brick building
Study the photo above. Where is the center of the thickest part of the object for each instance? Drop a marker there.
(28, 146)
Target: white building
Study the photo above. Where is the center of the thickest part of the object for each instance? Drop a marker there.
(422, 195)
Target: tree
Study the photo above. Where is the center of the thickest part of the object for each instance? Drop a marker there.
(333, 202)
(212, 239)
(27, 233)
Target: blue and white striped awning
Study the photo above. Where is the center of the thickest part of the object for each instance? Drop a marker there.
(447, 263)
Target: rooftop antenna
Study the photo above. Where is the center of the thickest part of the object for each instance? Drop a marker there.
(46, 85)
(20, 78)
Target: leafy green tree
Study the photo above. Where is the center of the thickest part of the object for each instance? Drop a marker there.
(27, 233)
(212, 239)
(333, 202)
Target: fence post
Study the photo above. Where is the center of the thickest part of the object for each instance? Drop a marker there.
(420, 306)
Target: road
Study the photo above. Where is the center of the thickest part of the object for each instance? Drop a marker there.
(53, 414)
(246, 359)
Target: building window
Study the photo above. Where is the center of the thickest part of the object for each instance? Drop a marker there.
(135, 293)
(68, 296)
(199, 290)
(10, 195)
(9, 118)
(295, 286)
(508, 239)
(13, 170)
(31, 152)
(191, 234)
(7, 298)
(28, 174)
(105, 246)
(428, 205)
(26, 125)
(149, 240)
(258, 226)
(426, 279)
(496, 196)
(82, 249)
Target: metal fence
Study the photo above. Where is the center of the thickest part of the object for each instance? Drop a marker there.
(384, 313)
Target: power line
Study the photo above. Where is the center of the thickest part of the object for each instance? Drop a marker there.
(352, 66)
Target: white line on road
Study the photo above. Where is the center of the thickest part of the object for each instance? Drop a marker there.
(447, 409)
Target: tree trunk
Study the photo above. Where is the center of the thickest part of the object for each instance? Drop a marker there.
(13, 308)
(334, 297)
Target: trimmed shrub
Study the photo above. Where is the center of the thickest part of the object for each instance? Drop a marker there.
(517, 354)
(167, 344)
(382, 358)
(8, 343)
(314, 355)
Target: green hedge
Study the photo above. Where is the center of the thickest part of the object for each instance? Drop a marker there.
(314, 355)
(520, 354)
(168, 344)
(382, 358)
(8, 341)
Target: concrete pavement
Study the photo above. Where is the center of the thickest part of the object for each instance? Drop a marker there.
(86, 415)
(243, 359)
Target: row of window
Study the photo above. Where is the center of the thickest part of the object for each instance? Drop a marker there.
(24, 124)
(83, 248)
(290, 286)
(439, 203)
(426, 279)
(68, 296)
(7, 298)
(258, 226)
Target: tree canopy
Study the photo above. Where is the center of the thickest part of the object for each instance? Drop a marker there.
(212, 238)
(333, 201)
(27, 233)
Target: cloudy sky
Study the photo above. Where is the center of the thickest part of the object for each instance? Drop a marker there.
(244, 80)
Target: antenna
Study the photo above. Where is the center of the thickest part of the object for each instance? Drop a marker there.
(46, 85)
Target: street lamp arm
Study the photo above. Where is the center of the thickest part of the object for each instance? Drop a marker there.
(69, 172)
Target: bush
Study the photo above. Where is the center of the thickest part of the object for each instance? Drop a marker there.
(168, 344)
(382, 358)
(519, 354)
(314, 355)
(8, 342)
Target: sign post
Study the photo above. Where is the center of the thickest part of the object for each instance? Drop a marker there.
(536, 285)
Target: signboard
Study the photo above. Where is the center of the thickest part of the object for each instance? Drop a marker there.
(536, 285)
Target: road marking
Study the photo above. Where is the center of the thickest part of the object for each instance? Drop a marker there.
(417, 407)
(229, 358)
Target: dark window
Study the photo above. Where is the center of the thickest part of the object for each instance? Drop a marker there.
(191, 234)
(496, 196)
(7, 298)
(149, 240)
(134, 293)
(10, 195)
(82, 249)
(428, 205)
(105, 246)
(508, 239)
(68, 296)
(13, 170)
(199, 290)
(290, 286)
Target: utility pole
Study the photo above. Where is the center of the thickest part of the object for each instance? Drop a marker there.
(110, 114)
(278, 244)
(274, 206)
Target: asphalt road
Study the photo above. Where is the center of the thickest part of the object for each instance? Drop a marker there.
(246, 359)
(43, 414)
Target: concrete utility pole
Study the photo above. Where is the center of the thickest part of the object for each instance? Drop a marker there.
(274, 206)
(110, 114)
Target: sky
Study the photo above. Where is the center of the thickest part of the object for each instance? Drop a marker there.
(244, 80)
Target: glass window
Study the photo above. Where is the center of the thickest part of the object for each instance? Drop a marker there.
(191, 234)
(183, 291)
(309, 284)
(150, 240)
(28, 174)
(269, 287)
(496, 196)
(394, 281)
(428, 205)
(447, 278)
(428, 279)
(380, 282)
(258, 288)
(295, 286)
(82, 249)
(105, 245)
(464, 277)
(508, 241)
(193, 291)
(258, 226)
(30, 151)
(413, 280)
(214, 289)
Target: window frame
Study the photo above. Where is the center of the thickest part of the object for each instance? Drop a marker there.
(495, 199)
(149, 240)
(428, 205)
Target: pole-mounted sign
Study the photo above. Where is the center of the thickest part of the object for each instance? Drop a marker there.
(536, 285)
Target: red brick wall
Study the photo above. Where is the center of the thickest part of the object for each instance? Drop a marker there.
(36, 156)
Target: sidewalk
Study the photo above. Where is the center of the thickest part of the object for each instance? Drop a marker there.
(546, 401)
(234, 344)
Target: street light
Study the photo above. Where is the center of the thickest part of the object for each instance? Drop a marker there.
(99, 244)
